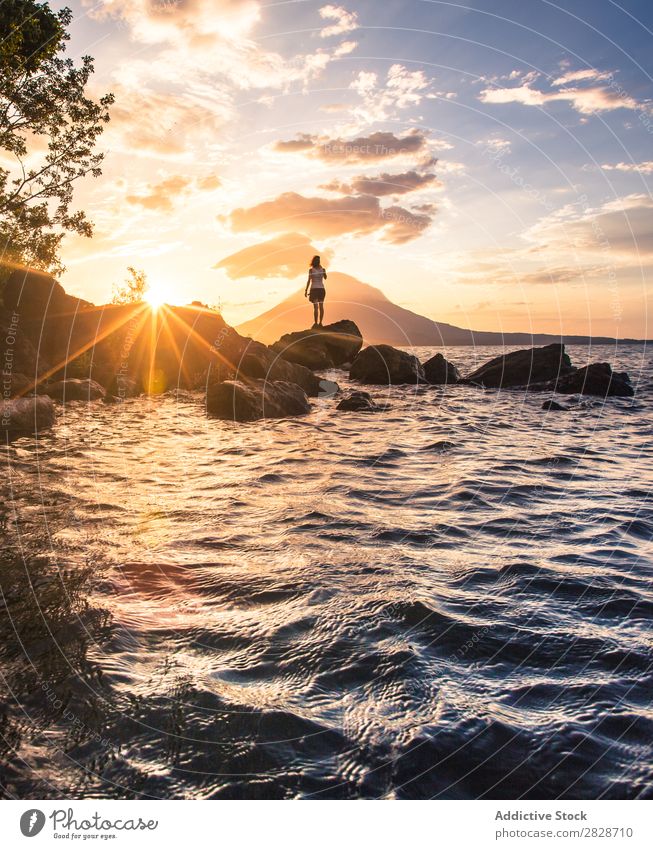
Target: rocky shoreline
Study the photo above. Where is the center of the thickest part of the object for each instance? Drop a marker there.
(62, 349)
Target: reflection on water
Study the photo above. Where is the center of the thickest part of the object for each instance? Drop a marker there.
(451, 598)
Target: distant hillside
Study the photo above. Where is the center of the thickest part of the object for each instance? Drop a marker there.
(382, 321)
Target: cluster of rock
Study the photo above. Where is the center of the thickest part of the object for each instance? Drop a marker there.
(244, 380)
(546, 369)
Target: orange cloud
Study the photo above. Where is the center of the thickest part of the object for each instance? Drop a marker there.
(162, 196)
(287, 255)
(375, 147)
(322, 218)
(384, 184)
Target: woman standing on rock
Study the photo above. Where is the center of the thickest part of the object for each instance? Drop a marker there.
(316, 277)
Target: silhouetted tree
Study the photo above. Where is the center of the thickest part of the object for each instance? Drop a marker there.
(43, 104)
(133, 290)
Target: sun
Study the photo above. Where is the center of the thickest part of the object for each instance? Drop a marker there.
(156, 296)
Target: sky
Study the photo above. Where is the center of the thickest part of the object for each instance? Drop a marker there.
(485, 165)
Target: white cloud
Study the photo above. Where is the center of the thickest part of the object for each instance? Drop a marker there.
(344, 21)
(400, 90)
(587, 100)
(636, 167)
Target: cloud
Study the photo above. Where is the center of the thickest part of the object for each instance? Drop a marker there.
(513, 273)
(401, 89)
(200, 53)
(344, 21)
(145, 121)
(287, 255)
(637, 167)
(586, 100)
(323, 218)
(192, 21)
(622, 228)
(162, 196)
(581, 76)
(384, 184)
(377, 146)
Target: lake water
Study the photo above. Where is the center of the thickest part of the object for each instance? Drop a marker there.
(448, 599)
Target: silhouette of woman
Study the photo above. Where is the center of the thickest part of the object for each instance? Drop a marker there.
(316, 277)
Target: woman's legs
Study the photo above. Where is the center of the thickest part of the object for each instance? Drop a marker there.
(321, 312)
(315, 312)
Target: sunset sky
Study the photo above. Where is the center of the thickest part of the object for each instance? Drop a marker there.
(485, 165)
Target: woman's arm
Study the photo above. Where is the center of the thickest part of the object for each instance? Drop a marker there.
(307, 284)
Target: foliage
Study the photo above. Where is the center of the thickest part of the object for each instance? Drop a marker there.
(133, 290)
(49, 127)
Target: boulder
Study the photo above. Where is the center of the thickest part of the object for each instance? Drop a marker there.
(16, 384)
(258, 361)
(437, 371)
(74, 389)
(594, 379)
(328, 388)
(383, 365)
(358, 402)
(520, 368)
(256, 399)
(26, 415)
(321, 347)
(20, 354)
(554, 406)
(32, 294)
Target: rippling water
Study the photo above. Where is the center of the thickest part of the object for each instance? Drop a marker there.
(451, 598)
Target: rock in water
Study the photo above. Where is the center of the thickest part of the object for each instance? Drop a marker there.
(519, 368)
(321, 347)
(328, 388)
(27, 415)
(554, 405)
(359, 402)
(437, 371)
(383, 365)
(74, 389)
(260, 362)
(257, 399)
(594, 379)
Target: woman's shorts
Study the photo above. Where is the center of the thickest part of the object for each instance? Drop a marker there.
(316, 296)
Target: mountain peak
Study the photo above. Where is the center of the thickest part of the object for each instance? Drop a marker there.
(381, 321)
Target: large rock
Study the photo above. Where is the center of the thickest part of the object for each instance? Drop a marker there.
(383, 364)
(321, 347)
(20, 355)
(15, 384)
(358, 402)
(32, 294)
(438, 371)
(520, 368)
(258, 361)
(26, 415)
(256, 399)
(594, 379)
(74, 389)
